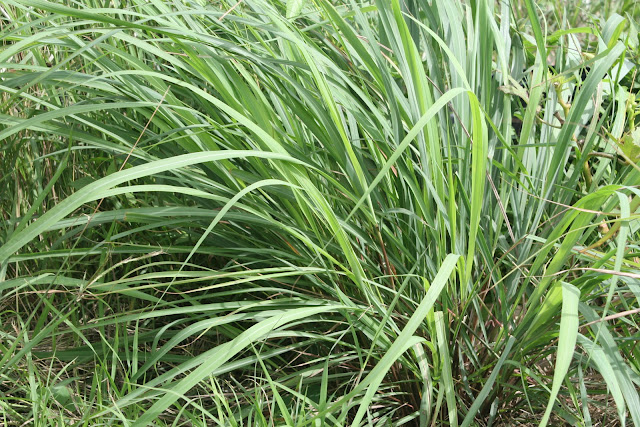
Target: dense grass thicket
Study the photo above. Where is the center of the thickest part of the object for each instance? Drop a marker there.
(319, 213)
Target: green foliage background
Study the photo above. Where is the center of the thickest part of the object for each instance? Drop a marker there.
(319, 213)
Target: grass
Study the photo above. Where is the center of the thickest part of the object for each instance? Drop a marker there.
(319, 213)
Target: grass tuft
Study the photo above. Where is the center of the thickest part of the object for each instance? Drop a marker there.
(319, 213)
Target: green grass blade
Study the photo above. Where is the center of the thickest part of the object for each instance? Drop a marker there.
(566, 343)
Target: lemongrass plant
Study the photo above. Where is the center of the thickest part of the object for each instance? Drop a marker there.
(317, 213)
